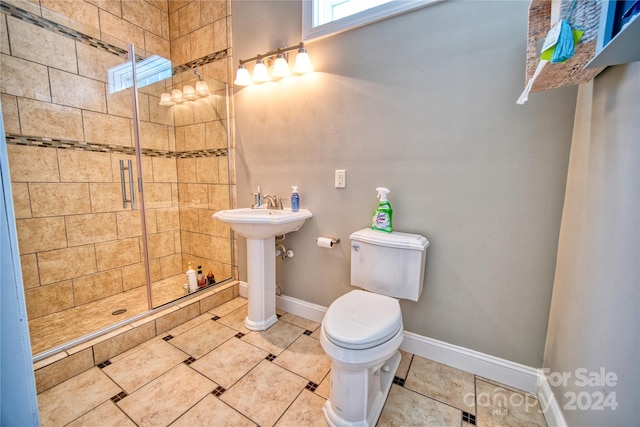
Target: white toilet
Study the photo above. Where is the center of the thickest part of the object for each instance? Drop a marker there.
(362, 331)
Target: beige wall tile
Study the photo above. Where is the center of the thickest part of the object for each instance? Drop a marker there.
(187, 173)
(91, 228)
(112, 6)
(197, 196)
(107, 129)
(133, 276)
(21, 201)
(185, 242)
(190, 18)
(181, 50)
(121, 29)
(207, 224)
(189, 219)
(216, 299)
(56, 373)
(162, 244)
(166, 30)
(177, 4)
(48, 299)
(221, 34)
(212, 10)
(41, 234)
(157, 45)
(171, 265)
(52, 121)
(59, 199)
(4, 36)
(174, 25)
(160, 114)
(10, 114)
(30, 276)
(119, 104)
(221, 249)
(154, 136)
(94, 63)
(201, 245)
(129, 224)
(24, 78)
(119, 344)
(202, 42)
(219, 197)
(205, 109)
(164, 170)
(216, 134)
(207, 170)
(118, 253)
(224, 172)
(163, 5)
(107, 197)
(97, 286)
(168, 219)
(157, 195)
(77, 91)
(81, 12)
(195, 137)
(66, 264)
(143, 15)
(84, 166)
(42, 46)
(151, 221)
(33, 164)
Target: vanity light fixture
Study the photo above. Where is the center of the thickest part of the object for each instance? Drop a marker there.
(280, 65)
(188, 92)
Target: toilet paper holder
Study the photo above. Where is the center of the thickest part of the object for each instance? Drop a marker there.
(327, 242)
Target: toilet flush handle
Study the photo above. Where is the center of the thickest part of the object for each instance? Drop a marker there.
(355, 247)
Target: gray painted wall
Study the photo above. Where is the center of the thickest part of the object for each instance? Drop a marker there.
(595, 310)
(424, 104)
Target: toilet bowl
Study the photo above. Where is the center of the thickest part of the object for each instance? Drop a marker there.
(362, 330)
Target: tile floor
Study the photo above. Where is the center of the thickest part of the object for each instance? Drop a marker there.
(212, 371)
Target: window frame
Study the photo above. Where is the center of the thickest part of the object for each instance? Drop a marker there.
(365, 17)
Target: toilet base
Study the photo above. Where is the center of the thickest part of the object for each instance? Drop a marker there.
(372, 396)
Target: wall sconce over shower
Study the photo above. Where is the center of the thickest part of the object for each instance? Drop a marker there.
(187, 93)
(280, 66)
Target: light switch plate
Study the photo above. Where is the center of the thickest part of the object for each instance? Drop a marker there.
(341, 178)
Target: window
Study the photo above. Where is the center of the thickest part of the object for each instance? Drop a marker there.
(321, 18)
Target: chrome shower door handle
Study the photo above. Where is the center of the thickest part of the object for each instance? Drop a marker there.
(124, 187)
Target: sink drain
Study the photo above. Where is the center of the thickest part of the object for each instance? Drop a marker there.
(119, 311)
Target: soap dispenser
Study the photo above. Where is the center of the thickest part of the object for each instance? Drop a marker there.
(295, 199)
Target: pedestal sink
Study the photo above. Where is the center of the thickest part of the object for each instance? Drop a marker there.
(260, 226)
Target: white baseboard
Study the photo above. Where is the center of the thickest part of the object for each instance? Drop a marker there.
(494, 368)
(550, 406)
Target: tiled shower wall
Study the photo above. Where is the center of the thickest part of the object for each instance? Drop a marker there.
(66, 135)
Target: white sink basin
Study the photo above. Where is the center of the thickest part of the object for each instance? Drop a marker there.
(263, 223)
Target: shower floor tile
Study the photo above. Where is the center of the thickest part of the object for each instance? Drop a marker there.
(276, 377)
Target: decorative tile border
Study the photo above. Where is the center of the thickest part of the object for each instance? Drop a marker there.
(66, 144)
(47, 24)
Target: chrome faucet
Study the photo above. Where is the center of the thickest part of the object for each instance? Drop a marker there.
(274, 202)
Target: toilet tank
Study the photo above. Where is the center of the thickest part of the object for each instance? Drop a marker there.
(389, 264)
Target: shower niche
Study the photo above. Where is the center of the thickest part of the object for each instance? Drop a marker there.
(113, 192)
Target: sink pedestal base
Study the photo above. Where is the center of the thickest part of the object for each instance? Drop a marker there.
(261, 277)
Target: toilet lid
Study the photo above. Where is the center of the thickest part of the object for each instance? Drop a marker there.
(360, 320)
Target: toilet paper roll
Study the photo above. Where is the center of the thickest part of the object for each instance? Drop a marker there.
(325, 242)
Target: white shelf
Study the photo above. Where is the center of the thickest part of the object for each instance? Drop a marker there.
(623, 48)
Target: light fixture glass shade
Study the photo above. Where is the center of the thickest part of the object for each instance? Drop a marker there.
(243, 78)
(260, 72)
(281, 67)
(202, 88)
(303, 62)
(188, 92)
(165, 100)
(176, 96)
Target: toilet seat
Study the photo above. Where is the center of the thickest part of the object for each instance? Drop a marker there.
(360, 320)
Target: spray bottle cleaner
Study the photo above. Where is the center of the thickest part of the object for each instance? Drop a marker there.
(382, 215)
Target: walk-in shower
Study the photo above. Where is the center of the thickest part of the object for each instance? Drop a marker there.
(113, 192)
